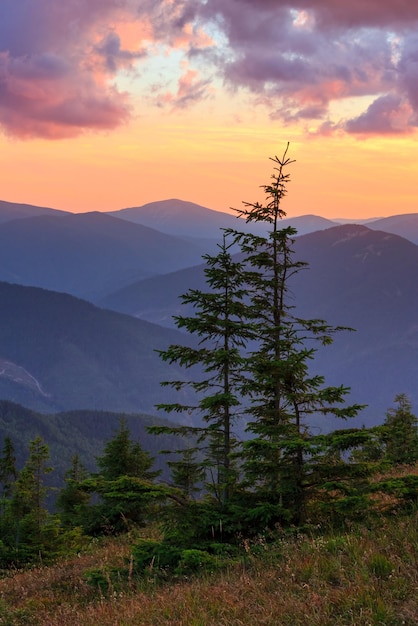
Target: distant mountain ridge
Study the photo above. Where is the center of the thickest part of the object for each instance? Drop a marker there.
(87, 254)
(181, 218)
(82, 433)
(357, 277)
(60, 353)
(405, 225)
(188, 219)
(12, 210)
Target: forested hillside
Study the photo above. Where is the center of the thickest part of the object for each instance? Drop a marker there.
(60, 353)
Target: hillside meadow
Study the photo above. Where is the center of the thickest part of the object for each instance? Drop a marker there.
(365, 575)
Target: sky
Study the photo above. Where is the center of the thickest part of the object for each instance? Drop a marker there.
(107, 104)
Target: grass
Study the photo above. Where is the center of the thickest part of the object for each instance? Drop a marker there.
(365, 577)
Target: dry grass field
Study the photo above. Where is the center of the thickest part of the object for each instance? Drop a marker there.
(365, 577)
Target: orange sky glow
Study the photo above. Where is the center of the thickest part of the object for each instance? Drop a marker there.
(190, 101)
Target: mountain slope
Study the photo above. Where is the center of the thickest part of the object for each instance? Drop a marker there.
(157, 299)
(11, 211)
(182, 218)
(357, 277)
(178, 217)
(83, 433)
(61, 353)
(88, 254)
(405, 225)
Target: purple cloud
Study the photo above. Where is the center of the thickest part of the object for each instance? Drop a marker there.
(59, 60)
(387, 115)
(51, 83)
(299, 57)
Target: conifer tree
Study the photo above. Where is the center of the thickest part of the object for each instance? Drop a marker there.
(282, 391)
(257, 353)
(28, 503)
(400, 433)
(124, 485)
(124, 457)
(8, 471)
(73, 500)
(219, 323)
(187, 473)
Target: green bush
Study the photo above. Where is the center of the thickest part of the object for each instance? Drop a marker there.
(193, 561)
(155, 555)
(380, 566)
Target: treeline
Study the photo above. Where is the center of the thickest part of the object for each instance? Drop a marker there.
(367, 472)
(109, 501)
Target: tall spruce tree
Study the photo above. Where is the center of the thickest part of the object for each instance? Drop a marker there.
(283, 393)
(220, 324)
(257, 353)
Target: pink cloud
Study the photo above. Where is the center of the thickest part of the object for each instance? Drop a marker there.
(59, 60)
(57, 65)
(362, 13)
(387, 115)
(45, 96)
(299, 57)
(190, 89)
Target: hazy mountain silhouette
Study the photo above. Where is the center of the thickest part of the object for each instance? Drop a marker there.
(182, 218)
(405, 225)
(87, 254)
(60, 353)
(12, 210)
(178, 217)
(357, 277)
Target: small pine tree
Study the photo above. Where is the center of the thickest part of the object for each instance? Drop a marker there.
(124, 457)
(28, 512)
(8, 471)
(400, 433)
(73, 500)
(124, 485)
(187, 473)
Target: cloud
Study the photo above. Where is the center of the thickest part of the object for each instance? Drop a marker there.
(113, 56)
(60, 61)
(362, 13)
(190, 90)
(299, 58)
(387, 115)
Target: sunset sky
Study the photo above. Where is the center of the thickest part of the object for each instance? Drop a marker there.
(106, 104)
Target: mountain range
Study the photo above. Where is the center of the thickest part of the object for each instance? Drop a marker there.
(356, 277)
(62, 353)
(87, 299)
(88, 254)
